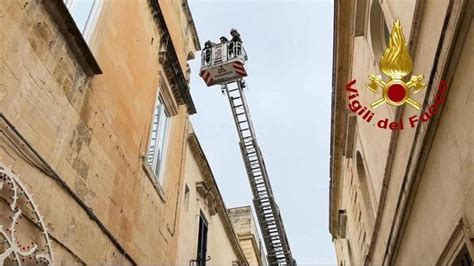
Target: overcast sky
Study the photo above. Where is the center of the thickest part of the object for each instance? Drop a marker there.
(289, 44)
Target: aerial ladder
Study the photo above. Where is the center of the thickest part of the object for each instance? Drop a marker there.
(224, 64)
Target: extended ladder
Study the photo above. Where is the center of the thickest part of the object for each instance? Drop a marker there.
(268, 213)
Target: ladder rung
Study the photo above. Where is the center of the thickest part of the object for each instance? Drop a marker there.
(272, 238)
(249, 150)
(270, 221)
(252, 149)
(254, 162)
(262, 200)
(269, 217)
(275, 254)
(248, 141)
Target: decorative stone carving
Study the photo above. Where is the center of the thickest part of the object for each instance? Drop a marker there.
(206, 193)
(24, 238)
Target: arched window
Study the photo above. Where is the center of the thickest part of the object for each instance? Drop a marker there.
(379, 31)
(364, 188)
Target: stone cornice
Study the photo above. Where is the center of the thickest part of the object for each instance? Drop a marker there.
(172, 67)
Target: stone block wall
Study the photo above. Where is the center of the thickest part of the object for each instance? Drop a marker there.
(100, 204)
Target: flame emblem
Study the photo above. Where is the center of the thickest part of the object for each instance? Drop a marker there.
(396, 64)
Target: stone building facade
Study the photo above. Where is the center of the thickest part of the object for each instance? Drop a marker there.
(403, 194)
(203, 208)
(96, 147)
(247, 233)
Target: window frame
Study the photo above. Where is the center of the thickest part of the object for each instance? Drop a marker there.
(379, 30)
(158, 165)
(459, 238)
(203, 231)
(92, 18)
(462, 255)
(342, 223)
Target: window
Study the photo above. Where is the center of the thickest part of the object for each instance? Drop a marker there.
(342, 223)
(351, 120)
(457, 251)
(158, 139)
(84, 13)
(186, 197)
(202, 241)
(360, 17)
(364, 187)
(463, 258)
(379, 31)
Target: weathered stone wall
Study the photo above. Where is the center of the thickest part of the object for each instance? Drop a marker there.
(418, 180)
(246, 230)
(446, 192)
(93, 131)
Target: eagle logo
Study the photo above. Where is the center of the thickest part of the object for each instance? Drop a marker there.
(396, 64)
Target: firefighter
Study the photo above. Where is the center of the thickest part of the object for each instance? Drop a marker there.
(235, 36)
(235, 39)
(223, 39)
(207, 51)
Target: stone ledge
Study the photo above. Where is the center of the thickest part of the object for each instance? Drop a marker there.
(72, 35)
